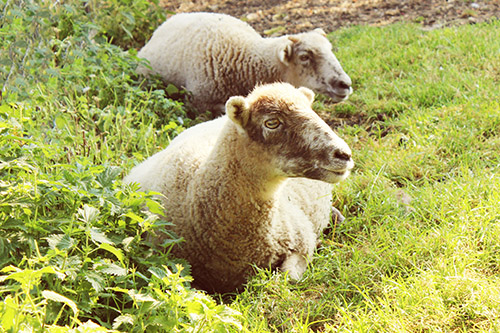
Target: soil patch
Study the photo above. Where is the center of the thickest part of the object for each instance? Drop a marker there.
(273, 17)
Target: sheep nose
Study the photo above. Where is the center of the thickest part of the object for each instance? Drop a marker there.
(342, 155)
(342, 85)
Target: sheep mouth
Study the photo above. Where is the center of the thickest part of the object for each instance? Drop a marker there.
(326, 174)
(339, 173)
(338, 96)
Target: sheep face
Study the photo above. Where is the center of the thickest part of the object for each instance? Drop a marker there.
(298, 143)
(311, 63)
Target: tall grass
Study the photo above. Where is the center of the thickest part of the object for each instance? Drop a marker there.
(419, 249)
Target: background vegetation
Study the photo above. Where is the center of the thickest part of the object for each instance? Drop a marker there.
(419, 250)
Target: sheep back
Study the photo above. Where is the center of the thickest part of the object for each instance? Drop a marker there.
(212, 55)
(215, 56)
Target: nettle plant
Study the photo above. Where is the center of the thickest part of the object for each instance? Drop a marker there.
(94, 266)
(75, 249)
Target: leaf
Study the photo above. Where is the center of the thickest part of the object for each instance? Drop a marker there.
(120, 290)
(95, 280)
(198, 305)
(228, 315)
(99, 237)
(109, 174)
(60, 241)
(9, 313)
(88, 214)
(61, 122)
(126, 31)
(141, 298)
(171, 89)
(90, 326)
(113, 269)
(195, 310)
(158, 272)
(127, 242)
(123, 319)
(117, 252)
(155, 207)
(21, 43)
(10, 268)
(44, 14)
(53, 296)
(134, 217)
(29, 276)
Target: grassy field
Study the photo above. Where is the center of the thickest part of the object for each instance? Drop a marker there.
(420, 247)
(419, 250)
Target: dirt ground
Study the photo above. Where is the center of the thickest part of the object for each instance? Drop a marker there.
(273, 17)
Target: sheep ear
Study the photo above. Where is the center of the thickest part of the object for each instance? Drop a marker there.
(237, 110)
(320, 31)
(285, 52)
(308, 93)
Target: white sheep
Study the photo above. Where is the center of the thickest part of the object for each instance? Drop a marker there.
(251, 187)
(215, 56)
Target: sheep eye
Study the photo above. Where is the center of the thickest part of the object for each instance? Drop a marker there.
(304, 57)
(272, 123)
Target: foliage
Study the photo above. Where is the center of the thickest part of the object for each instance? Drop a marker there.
(418, 251)
(75, 250)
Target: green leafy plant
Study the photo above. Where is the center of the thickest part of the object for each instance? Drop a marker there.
(75, 243)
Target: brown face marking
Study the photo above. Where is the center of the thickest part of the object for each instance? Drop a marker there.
(322, 72)
(288, 140)
(261, 108)
(302, 145)
(311, 65)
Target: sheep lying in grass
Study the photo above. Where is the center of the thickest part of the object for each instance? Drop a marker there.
(252, 187)
(215, 56)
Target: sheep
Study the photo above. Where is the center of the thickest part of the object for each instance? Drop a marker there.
(215, 56)
(253, 187)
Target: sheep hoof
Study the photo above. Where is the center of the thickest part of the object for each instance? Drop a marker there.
(337, 217)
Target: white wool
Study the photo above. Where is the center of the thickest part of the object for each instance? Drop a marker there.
(238, 197)
(215, 56)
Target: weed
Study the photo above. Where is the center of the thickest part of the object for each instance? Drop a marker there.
(74, 248)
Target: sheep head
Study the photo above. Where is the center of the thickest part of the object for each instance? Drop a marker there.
(310, 62)
(297, 143)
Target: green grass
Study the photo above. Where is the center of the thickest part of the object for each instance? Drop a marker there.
(419, 250)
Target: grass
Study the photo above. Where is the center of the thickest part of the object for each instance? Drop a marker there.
(419, 249)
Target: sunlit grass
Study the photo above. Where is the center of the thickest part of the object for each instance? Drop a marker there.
(419, 250)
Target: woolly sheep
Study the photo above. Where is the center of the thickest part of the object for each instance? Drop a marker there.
(215, 56)
(251, 187)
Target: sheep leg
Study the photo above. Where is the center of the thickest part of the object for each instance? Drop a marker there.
(337, 217)
(295, 264)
